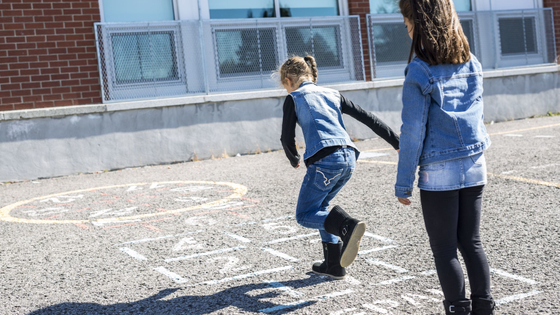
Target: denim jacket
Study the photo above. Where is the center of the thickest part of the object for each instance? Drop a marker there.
(442, 117)
(320, 117)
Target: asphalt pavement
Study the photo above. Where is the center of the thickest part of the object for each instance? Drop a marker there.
(219, 237)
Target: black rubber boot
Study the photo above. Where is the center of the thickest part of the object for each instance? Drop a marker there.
(481, 306)
(331, 266)
(350, 230)
(462, 307)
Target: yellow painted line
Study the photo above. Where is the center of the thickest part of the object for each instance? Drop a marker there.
(519, 130)
(238, 192)
(527, 180)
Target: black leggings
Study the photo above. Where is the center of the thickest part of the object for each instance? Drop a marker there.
(452, 221)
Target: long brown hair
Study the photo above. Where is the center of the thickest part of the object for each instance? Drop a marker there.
(298, 69)
(437, 37)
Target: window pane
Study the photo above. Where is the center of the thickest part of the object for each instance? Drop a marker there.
(241, 9)
(391, 41)
(392, 6)
(141, 57)
(246, 51)
(320, 42)
(384, 6)
(467, 26)
(462, 5)
(137, 10)
(297, 8)
(511, 35)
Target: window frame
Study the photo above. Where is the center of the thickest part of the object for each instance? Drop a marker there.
(205, 8)
(175, 10)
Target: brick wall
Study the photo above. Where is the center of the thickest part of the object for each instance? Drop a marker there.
(555, 5)
(361, 8)
(47, 53)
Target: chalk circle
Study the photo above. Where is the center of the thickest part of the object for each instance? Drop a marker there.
(238, 192)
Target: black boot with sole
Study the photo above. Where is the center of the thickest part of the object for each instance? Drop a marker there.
(481, 306)
(331, 266)
(350, 230)
(462, 307)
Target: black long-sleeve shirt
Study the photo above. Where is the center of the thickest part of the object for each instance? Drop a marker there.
(347, 107)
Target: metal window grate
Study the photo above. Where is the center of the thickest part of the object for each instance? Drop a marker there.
(162, 59)
(499, 39)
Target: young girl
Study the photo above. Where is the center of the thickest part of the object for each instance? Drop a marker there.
(443, 132)
(330, 157)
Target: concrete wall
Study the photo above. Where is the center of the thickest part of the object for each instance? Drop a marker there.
(104, 140)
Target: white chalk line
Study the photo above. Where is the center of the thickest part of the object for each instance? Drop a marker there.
(378, 262)
(377, 249)
(280, 254)
(379, 237)
(280, 240)
(245, 276)
(396, 280)
(515, 297)
(278, 219)
(133, 253)
(173, 276)
(237, 237)
(512, 276)
(144, 240)
(302, 302)
(219, 251)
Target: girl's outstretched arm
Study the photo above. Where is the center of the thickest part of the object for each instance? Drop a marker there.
(370, 120)
(288, 137)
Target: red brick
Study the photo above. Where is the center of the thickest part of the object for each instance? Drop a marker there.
(60, 50)
(44, 104)
(63, 18)
(42, 5)
(19, 66)
(28, 58)
(34, 25)
(80, 88)
(50, 84)
(65, 31)
(36, 78)
(29, 71)
(30, 39)
(31, 85)
(69, 70)
(50, 71)
(61, 90)
(46, 31)
(52, 97)
(82, 18)
(55, 38)
(38, 51)
(23, 19)
(73, 24)
(23, 106)
(33, 12)
(20, 79)
(48, 57)
(21, 6)
(14, 26)
(25, 45)
(10, 100)
(6, 107)
(46, 45)
(91, 94)
(12, 13)
(9, 73)
(62, 76)
(79, 62)
(63, 5)
(82, 4)
(41, 91)
(63, 63)
(67, 57)
(35, 98)
(63, 103)
(70, 96)
(17, 39)
(7, 33)
(43, 18)
(8, 46)
(21, 93)
(76, 50)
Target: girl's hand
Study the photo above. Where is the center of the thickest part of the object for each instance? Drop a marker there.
(404, 201)
(299, 163)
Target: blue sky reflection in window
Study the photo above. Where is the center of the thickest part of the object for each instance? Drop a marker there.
(298, 8)
(241, 9)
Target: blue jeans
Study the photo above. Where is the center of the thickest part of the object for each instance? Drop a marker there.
(323, 181)
(460, 173)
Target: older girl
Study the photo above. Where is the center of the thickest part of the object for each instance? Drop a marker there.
(443, 132)
(330, 157)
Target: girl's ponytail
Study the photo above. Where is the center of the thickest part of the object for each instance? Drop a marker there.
(312, 66)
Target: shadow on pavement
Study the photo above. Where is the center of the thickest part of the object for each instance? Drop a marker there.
(194, 305)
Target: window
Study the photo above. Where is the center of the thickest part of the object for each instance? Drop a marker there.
(321, 42)
(144, 57)
(517, 35)
(245, 51)
(240, 9)
(144, 10)
(298, 8)
(392, 43)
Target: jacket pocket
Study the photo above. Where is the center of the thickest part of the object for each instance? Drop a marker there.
(325, 179)
(438, 166)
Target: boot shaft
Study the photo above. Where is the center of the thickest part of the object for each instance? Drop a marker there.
(462, 307)
(482, 306)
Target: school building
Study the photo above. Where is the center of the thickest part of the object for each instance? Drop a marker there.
(90, 85)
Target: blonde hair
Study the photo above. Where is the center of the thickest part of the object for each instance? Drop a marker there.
(437, 37)
(298, 69)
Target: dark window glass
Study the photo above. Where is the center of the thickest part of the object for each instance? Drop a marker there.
(517, 35)
(246, 51)
(299, 8)
(141, 57)
(322, 42)
(391, 41)
(241, 9)
(467, 26)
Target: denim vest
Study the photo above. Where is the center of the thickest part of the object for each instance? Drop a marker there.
(320, 117)
(442, 117)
